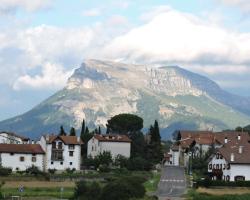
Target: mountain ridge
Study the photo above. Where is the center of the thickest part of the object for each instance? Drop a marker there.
(99, 90)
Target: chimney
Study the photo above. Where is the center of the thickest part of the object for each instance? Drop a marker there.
(239, 137)
(232, 157)
(225, 140)
(240, 149)
(47, 138)
(78, 139)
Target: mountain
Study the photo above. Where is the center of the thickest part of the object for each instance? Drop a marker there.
(99, 90)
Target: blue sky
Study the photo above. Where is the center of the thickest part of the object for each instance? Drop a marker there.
(43, 41)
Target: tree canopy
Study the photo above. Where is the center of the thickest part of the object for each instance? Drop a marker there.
(62, 132)
(124, 124)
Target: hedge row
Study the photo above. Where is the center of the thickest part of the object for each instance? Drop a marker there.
(213, 183)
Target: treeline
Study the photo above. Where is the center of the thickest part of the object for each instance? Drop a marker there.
(145, 149)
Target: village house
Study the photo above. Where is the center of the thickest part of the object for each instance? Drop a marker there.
(231, 162)
(196, 143)
(12, 138)
(19, 157)
(115, 144)
(62, 152)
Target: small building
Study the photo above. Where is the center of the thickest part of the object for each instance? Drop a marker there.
(12, 138)
(115, 144)
(19, 157)
(231, 162)
(62, 152)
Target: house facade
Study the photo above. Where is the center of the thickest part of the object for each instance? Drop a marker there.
(231, 162)
(115, 144)
(12, 138)
(62, 152)
(197, 143)
(19, 157)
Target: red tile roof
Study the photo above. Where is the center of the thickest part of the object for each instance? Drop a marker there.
(239, 158)
(21, 148)
(65, 139)
(112, 138)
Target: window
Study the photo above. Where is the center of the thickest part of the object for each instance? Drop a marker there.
(210, 166)
(59, 145)
(61, 163)
(227, 178)
(71, 146)
(70, 163)
(33, 159)
(239, 178)
(220, 166)
(22, 159)
(17, 169)
(221, 157)
(71, 153)
(228, 166)
(217, 166)
(11, 154)
(52, 163)
(53, 145)
(217, 156)
(92, 148)
(57, 155)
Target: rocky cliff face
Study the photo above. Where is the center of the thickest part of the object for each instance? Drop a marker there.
(99, 90)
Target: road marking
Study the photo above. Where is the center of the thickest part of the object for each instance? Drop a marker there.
(172, 180)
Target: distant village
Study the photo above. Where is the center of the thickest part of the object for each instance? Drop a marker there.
(228, 161)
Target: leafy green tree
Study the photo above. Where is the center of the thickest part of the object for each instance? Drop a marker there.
(124, 124)
(104, 158)
(62, 132)
(72, 131)
(138, 144)
(121, 161)
(139, 164)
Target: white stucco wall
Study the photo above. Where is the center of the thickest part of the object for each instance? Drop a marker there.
(115, 148)
(175, 157)
(240, 170)
(13, 161)
(67, 160)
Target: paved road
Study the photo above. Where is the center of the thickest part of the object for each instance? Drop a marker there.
(172, 184)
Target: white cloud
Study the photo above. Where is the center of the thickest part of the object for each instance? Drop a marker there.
(180, 38)
(92, 12)
(242, 4)
(7, 6)
(53, 77)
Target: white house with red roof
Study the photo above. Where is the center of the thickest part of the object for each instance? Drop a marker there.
(231, 162)
(115, 144)
(19, 157)
(62, 152)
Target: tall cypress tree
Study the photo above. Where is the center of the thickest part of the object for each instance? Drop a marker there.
(62, 132)
(83, 129)
(99, 130)
(72, 131)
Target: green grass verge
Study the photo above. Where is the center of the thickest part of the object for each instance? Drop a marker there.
(39, 192)
(152, 183)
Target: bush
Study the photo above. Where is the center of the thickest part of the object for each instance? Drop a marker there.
(85, 191)
(123, 189)
(210, 183)
(52, 171)
(70, 171)
(33, 170)
(5, 171)
(104, 168)
(139, 164)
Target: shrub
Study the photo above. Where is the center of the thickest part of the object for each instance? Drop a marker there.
(210, 183)
(52, 171)
(5, 171)
(104, 168)
(123, 189)
(70, 171)
(84, 191)
(33, 170)
(139, 163)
